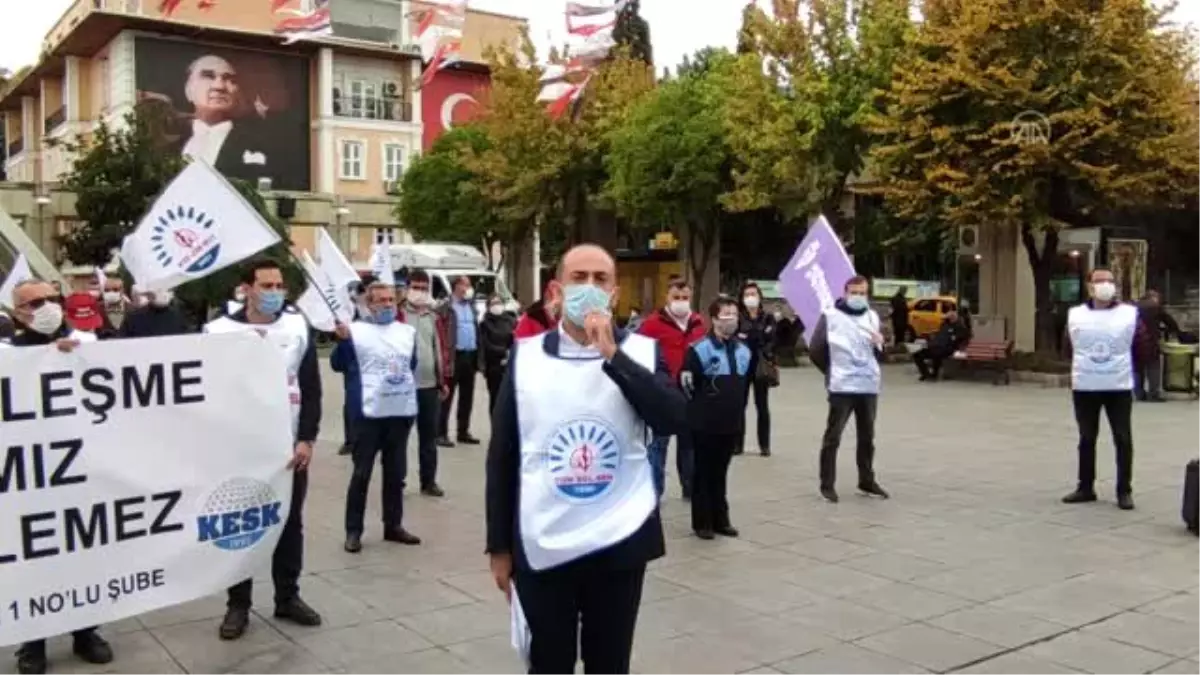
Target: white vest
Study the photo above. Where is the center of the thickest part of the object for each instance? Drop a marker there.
(289, 332)
(385, 368)
(585, 477)
(853, 368)
(1102, 346)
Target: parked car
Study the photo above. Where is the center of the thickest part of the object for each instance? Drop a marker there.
(925, 315)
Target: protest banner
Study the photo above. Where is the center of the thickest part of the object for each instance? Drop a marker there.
(814, 277)
(137, 474)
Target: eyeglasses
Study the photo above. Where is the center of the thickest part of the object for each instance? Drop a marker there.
(37, 303)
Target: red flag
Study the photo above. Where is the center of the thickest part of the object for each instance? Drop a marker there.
(277, 5)
(168, 7)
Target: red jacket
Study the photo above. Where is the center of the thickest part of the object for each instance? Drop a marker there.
(445, 364)
(534, 321)
(673, 341)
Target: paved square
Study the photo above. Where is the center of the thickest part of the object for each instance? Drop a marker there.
(973, 565)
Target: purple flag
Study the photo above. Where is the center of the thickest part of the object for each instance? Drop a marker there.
(816, 274)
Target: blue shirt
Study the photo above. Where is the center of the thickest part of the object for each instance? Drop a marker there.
(464, 314)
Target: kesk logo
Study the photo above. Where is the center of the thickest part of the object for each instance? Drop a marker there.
(186, 238)
(809, 255)
(237, 514)
(583, 457)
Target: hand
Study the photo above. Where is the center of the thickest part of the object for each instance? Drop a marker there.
(685, 381)
(501, 564)
(301, 456)
(342, 331)
(876, 338)
(600, 333)
(66, 345)
(444, 392)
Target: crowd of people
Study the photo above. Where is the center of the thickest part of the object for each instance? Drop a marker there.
(595, 404)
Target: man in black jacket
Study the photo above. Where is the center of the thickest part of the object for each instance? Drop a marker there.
(952, 336)
(156, 317)
(573, 531)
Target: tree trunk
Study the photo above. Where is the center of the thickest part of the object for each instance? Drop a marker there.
(1042, 263)
(699, 251)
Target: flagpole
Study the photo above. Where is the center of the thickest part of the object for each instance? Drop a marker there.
(304, 271)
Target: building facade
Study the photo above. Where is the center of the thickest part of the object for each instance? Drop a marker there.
(325, 127)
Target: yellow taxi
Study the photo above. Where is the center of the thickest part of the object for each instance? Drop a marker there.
(925, 314)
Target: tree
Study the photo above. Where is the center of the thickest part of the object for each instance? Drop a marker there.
(669, 164)
(116, 176)
(633, 32)
(440, 198)
(1029, 116)
(801, 133)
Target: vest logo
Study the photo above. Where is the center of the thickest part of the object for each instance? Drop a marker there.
(583, 457)
(396, 371)
(238, 514)
(185, 238)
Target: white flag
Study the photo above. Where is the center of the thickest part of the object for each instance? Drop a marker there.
(315, 303)
(101, 279)
(381, 264)
(197, 226)
(330, 257)
(20, 272)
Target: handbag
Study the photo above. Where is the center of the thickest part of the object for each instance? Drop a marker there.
(767, 371)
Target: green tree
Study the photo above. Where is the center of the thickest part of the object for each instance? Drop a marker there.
(668, 163)
(633, 32)
(1030, 116)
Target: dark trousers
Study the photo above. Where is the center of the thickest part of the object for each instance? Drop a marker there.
(429, 406)
(710, 506)
(493, 377)
(585, 604)
(684, 461)
(928, 363)
(349, 420)
(465, 366)
(761, 406)
(388, 438)
(1117, 406)
(288, 560)
(841, 406)
(1147, 377)
(899, 328)
(39, 646)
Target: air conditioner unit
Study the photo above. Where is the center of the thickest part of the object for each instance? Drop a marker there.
(264, 184)
(968, 239)
(391, 89)
(391, 187)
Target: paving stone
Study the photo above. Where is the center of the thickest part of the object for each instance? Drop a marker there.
(846, 658)
(1160, 634)
(933, 648)
(895, 566)
(690, 654)
(458, 624)
(340, 646)
(1091, 654)
(771, 639)
(1017, 663)
(133, 652)
(1182, 667)
(999, 626)
(196, 647)
(842, 619)
(909, 601)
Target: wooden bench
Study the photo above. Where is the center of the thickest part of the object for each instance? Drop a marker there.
(991, 355)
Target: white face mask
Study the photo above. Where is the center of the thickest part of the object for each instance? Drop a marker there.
(496, 310)
(680, 308)
(418, 298)
(47, 319)
(468, 293)
(1104, 290)
(750, 301)
(112, 297)
(162, 298)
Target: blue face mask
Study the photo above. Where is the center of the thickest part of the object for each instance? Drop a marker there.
(271, 302)
(857, 302)
(384, 316)
(579, 300)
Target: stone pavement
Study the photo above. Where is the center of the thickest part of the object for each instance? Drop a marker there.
(973, 565)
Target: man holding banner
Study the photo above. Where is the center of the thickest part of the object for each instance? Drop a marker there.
(263, 314)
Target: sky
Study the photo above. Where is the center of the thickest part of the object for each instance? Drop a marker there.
(677, 27)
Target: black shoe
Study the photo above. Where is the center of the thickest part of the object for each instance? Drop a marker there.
(1125, 502)
(765, 452)
(874, 489)
(344, 450)
(467, 439)
(738, 450)
(353, 543)
(433, 490)
(829, 494)
(923, 378)
(1140, 396)
(445, 442)
(233, 626)
(1158, 398)
(92, 648)
(400, 535)
(1080, 497)
(32, 660)
(298, 612)
(727, 531)
(705, 534)
(687, 495)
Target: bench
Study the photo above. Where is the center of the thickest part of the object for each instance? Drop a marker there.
(991, 355)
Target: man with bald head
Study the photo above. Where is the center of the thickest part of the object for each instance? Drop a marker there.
(572, 511)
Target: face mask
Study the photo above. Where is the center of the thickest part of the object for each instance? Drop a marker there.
(47, 319)
(468, 292)
(680, 308)
(163, 298)
(496, 310)
(271, 302)
(778, 316)
(724, 327)
(856, 302)
(579, 300)
(112, 297)
(384, 316)
(750, 301)
(1104, 290)
(418, 298)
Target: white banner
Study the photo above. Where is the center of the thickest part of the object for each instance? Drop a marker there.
(320, 298)
(137, 474)
(200, 224)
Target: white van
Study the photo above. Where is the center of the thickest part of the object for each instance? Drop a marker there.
(446, 262)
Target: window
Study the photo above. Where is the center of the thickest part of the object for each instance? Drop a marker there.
(393, 161)
(385, 235)
(439, 287)
(372, 99)
(364, 101)
(925, 306)
(948, 306)
(352, 160)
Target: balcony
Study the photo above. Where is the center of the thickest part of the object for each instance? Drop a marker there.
(386, 108)
(54, 119)
(16, 147)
